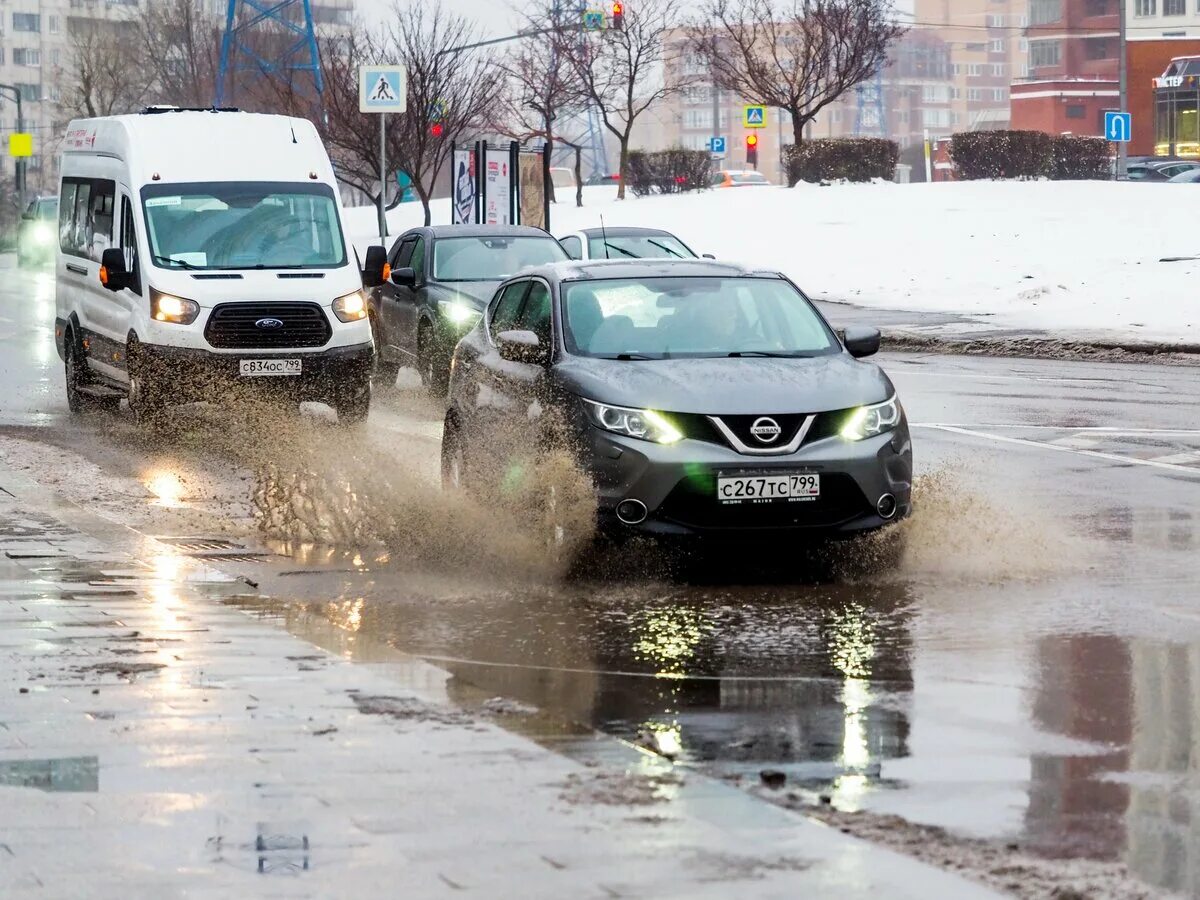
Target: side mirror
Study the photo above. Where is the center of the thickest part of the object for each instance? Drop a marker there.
(405, 277)
(861, 341)
(27, 216)
(373, 273)
(522, 346)
(113, 274)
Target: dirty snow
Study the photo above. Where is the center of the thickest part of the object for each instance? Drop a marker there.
(1079, 259)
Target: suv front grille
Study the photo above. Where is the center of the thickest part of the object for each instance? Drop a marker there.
(700, 428)
(233, 326)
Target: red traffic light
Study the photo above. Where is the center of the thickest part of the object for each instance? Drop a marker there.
(436, 129)
(618, 16)
(752, 140)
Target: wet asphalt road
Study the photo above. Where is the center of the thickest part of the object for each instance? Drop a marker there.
(1031, 672)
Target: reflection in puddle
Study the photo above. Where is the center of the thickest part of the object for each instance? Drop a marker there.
(72, 774)
(167, 487)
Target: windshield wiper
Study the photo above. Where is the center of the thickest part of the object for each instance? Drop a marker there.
(171, 261)
(768, 354)
(665, 247)
(621, 250)
(628, 357)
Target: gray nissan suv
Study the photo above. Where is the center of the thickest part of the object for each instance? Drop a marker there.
(702, 398)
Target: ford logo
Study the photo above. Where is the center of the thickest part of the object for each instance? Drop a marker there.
(766, 430)
(268, 324)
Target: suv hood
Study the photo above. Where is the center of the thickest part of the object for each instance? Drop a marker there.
(728, 386)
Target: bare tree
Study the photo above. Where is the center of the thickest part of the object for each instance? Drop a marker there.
(181, 47)
(623, 72)
(542, 91)
(104, 72)
(800, 57)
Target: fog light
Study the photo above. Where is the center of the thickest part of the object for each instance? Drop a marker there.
(886, 506)
(631, 512)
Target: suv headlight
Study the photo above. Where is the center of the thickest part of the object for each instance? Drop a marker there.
(645, 424)
(169, 308)
(868, 421)
(457, 313)
(42, 234)
(350, 308)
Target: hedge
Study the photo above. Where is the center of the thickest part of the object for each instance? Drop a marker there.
(1030, 154)
(841, 159)
(673, 171)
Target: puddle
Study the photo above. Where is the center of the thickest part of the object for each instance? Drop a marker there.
(79, 774)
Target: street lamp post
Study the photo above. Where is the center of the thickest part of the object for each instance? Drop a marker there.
(20, 178)
(1123, 69)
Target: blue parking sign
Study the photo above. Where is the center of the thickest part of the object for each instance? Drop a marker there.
(716, 146)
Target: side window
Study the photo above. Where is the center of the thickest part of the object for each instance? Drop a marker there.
(535, 314)
(418, 260)
(86, 217)
(508, 307)
(129, 245)
(574, 246)
(66, 215)
(402, 254)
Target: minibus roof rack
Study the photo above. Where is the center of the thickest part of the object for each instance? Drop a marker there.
(156, 110)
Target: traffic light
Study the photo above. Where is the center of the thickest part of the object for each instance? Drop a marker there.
(752, 150)
(618, 16)
(436, 129)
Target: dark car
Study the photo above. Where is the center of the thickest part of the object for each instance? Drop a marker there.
(622, 242)
(1191, 176)
(441, 279)
(702, 398)
(37, 235)
(1163, 170)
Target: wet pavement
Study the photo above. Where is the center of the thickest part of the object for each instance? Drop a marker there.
(1028, 674)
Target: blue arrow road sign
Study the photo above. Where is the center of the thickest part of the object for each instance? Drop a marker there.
(1118, 127)
(716, 145)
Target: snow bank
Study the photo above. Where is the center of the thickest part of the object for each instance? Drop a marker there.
(1076, 258)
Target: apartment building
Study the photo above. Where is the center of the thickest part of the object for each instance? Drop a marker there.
(988, 51)
(1074, 38)
(1162, 18)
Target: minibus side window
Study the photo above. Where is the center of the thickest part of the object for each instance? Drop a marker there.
(66, 215)
(85, 223)
(83, 204)
(129, 246)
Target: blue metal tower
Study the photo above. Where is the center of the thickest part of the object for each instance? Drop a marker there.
(872, 119)
(285, 26)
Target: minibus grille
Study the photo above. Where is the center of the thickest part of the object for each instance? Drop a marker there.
(241, 326)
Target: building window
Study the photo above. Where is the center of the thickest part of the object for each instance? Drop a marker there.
(998, 70)
(1045, 12)
(975, 69)
(25, 57)
(996, 46)
(1145, 7)
(999, 94)
(974, 94)
(995, 21)
(1076, 112)
(1097, 48)
(1044, 53)
(27, 22)
(1174, 7)
(30, 92)
(52, 24)
(934, 93)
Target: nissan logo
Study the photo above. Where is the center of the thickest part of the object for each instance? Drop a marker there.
(268, 324)
(766, 430)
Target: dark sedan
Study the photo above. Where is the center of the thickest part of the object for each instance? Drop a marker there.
(441, 279)
(702, 398)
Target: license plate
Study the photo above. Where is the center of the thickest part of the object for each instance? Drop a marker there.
(768, 489)
(251, 368)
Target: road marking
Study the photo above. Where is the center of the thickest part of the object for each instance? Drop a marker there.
(1103, 430)
(1191, 458)
(1043, 445)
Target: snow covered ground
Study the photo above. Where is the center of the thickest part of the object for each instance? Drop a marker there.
(1076, 259)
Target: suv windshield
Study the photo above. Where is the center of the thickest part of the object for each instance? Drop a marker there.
(642, 246)
(243, 225)
(491, 258)
(46, 208)
(661, 318)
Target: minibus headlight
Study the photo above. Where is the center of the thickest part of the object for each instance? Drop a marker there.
(169, 308)
(350, 308)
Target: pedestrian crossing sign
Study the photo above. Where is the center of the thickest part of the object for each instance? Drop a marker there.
(756, 117)
(382, 89)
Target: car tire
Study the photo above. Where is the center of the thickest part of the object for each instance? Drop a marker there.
(78, 377)
(146, 400)
(386, 370)
(353, 408)
(454, 460)
(433, 363)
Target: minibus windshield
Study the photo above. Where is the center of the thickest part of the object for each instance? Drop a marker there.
(243, 225)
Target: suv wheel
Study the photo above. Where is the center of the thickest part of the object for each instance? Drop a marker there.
(432, 362)
(353, 409)
(386, 370)
(78, 377)
(145, 393)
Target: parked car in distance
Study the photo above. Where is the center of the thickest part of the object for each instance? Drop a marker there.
(703, 399)
(1191, 176)
(624, 242)
(731, 178)
(596, 180)
(1163, 170)
(441, 279)
(38, 232)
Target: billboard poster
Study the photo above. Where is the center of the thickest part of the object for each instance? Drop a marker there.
(533, 190)
(463, 203)
(498, 190)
